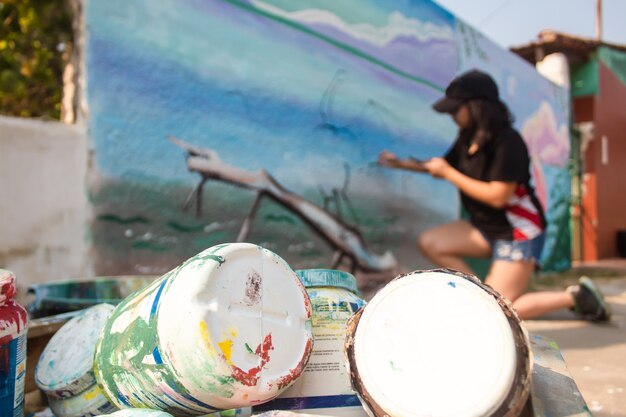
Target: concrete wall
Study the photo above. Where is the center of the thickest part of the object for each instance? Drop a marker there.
(43, 201)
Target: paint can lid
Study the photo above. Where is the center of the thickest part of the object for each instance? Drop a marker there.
(435, 343)
(239, 310)
(328, 278)
(65, 368)
(7, 285)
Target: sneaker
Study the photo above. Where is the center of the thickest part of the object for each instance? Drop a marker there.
(589, 302)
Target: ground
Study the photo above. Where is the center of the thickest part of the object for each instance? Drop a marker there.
(595, 354)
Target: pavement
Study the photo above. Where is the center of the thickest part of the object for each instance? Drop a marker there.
(595, 354)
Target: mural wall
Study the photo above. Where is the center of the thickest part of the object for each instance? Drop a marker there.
(261, 120)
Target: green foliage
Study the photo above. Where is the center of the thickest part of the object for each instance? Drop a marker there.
(35, 40)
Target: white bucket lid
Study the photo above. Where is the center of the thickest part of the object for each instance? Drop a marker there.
(65, 368)
(246, 317)
(433, 343)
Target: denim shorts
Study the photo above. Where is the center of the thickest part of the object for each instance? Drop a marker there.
(514, 250)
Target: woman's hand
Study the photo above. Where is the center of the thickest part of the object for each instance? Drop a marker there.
(438, 167)
(388, 159)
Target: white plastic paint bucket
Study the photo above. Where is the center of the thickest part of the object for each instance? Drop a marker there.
(229, 328)
(439, 343)
(324, 388)
(65, 367)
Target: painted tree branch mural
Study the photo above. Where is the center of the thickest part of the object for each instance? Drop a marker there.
(345, 240)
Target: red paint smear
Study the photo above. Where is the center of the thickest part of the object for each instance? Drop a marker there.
(251, 377)
(295, 372)
(11, 312)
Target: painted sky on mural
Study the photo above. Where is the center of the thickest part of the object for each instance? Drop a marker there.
(265, 84)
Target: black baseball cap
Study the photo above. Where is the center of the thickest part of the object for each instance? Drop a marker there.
(470, 85)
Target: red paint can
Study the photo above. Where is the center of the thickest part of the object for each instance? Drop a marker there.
(13, 328)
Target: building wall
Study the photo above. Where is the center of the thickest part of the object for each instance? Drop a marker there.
(609, 169)
(43, 201)
(309, 92)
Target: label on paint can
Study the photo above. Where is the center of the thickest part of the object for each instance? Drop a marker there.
(324, 387)
(12, 378)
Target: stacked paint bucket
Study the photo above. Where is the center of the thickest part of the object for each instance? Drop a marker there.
(325, 388)
(13, 328)
(65, 368)
(229, 328)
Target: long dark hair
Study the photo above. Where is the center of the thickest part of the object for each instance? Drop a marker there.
(489, 118)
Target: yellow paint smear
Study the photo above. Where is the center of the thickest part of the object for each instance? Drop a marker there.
(90, 395)
(204, 333)
(226, 347)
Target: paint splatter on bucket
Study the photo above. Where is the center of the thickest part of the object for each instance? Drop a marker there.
(228, 328)
(91, 402)
(324, 388)
(438, 343)
(65, 368)
(138, 412)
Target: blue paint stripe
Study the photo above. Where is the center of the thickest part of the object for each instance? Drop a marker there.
(325, 401)
(157, 356)
(155, 303)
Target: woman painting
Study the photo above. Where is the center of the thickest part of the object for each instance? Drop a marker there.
(489, 164)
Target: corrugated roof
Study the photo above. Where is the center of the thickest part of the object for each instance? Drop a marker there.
(576, 48)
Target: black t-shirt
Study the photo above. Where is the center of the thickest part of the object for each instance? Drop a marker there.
(503, 158)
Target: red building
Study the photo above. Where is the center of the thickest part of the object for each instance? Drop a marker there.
(597, 73)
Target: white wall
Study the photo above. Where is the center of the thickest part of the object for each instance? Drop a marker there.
(43, 201)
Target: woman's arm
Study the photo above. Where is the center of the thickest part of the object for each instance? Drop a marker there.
(493, 193)
(390, 160)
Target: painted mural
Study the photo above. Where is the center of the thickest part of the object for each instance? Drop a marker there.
(261, 120)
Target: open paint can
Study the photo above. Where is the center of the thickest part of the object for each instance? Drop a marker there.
(438, 343)
(229, 328)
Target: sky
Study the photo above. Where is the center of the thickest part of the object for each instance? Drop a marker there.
(515, 22)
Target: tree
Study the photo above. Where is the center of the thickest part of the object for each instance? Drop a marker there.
(35, 43)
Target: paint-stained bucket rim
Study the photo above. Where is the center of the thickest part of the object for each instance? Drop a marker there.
(91, 401)
(516, 399)
(84, 378)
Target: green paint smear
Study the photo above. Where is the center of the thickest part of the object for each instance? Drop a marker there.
(156, 247)
(279, 218)
(249, 349)
(115, 368)
(183, 228)
(121, 220)
(347, 48)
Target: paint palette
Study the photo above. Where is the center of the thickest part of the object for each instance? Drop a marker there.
(438, 343)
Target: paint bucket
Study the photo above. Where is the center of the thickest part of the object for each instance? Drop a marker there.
(64, 371)
(13, 330)
(65, 367)
(438, 343)
(228, 328)
(324, 388)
